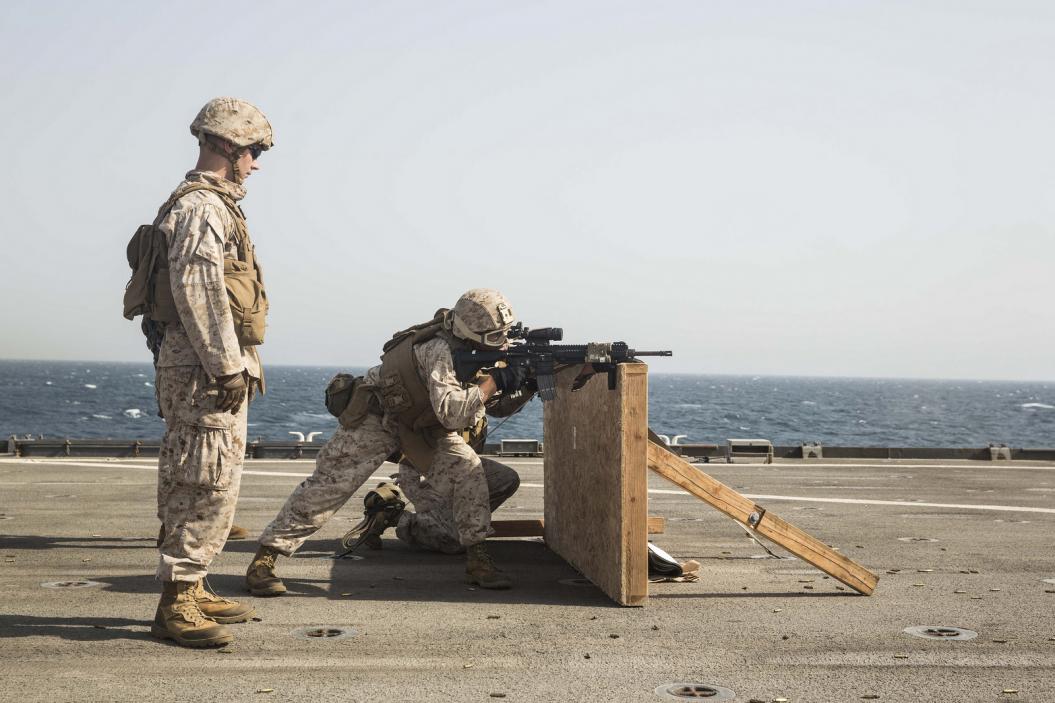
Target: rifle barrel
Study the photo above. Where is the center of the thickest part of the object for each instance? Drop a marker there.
(653, 353)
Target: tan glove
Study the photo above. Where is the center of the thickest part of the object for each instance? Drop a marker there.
(230, 392)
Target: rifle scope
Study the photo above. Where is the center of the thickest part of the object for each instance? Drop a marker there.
(541, 334)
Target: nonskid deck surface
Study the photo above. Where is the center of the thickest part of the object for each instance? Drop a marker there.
(412, 630)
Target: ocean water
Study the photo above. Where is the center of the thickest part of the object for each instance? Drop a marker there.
(116, 400)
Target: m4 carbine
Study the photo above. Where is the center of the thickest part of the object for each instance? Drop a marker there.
(531, 348)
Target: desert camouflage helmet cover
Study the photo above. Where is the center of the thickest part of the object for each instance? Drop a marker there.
(237, 121)
(483, 315)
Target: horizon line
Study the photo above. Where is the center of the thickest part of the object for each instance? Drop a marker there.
(654, 373)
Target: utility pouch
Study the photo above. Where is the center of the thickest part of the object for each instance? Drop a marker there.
(358, 406)
(140, 257)
(248, 301)
(339, 391)
(348, 399)
(163, 308)
(148, 292)
(394, 395)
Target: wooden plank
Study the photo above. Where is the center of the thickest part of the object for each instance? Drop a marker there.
(632, 388)
(516, 528)
(596, 480)
(753, 516)
(810, 549)
(684, 475)
(534, 528)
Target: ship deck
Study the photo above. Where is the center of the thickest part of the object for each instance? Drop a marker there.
(964, 544)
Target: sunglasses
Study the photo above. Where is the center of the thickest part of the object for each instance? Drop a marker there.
(255, 150)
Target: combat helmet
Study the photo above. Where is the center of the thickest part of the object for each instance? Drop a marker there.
(483, 316)
(237, 121)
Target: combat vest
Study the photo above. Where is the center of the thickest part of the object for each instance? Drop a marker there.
(405, 396)
(149, 291)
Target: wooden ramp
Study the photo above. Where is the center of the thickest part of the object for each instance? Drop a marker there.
(757, 519)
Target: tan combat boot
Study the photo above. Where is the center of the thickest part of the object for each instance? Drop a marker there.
(221, 609)
(260, 579)
(178, 618)
(479, 569)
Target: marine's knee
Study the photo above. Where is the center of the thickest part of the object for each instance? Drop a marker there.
(501, 478)
(510, 479)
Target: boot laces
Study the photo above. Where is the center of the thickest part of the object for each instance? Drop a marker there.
(267, 559)
(188, 609)
(203, 592)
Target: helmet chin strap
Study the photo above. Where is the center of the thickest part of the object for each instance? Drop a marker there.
(232, 158)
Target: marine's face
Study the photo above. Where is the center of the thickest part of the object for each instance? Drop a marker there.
(247, 163)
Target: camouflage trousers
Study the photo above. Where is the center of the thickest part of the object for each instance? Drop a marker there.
(434, 524)
(456, 491)
(199, 472)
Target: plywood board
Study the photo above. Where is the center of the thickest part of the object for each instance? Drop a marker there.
(596, 490)
(755, 517)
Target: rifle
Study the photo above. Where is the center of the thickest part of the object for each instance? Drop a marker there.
(531, 348)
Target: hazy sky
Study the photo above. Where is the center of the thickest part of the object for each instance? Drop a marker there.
(821, 188)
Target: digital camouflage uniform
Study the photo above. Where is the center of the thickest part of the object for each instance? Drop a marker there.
(455, 497)
(200, 464)
(434, 525)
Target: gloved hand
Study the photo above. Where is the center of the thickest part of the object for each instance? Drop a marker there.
(510, 378)
(231, 391)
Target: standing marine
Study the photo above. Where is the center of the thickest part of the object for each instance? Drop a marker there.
(204, 311)
(413, 406)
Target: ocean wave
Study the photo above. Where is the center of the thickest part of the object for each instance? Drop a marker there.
(47, 383)
(1015, 412)
(102, 417)
(306, 417)
(134, 413)
(90, 385)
